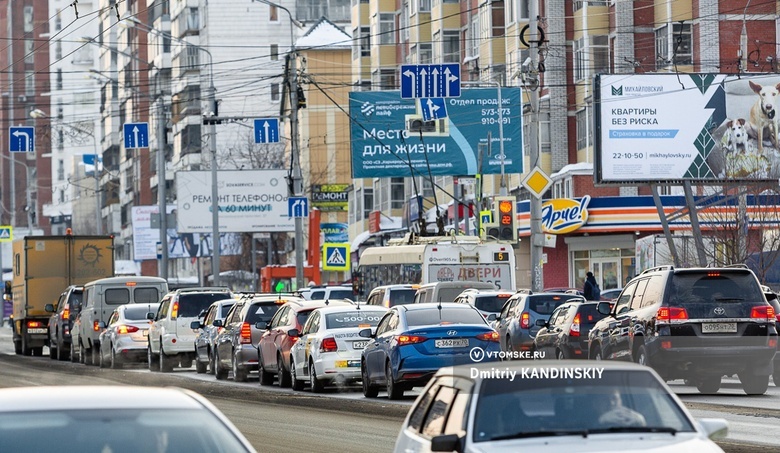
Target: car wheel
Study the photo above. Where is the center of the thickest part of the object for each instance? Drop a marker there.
(776, 378)
(560, 355)
(87, 356)
(369, 391)
(598, 355)
(166, 363)
(52, 351)
(508, 344)
(266, 378)
(201, 367)
(284, 375)
(239, 374)
(154, 361)
(102, 362)
(316, 384)
(708, 384)
(219, 373)
(212, 363)
(394, 391)
(297, 384)
(754, 385)
(643, 358)
(62, 353)
(95, 355)
(26, 349)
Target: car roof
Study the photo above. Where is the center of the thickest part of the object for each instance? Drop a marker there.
(350, 308)
(489, 292)
(274, 299)
(71, 397)
(128, 279)
(397, 286)
(466, 370)
(304, 304)
(429, 305)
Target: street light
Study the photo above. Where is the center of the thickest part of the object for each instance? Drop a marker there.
(38, 113)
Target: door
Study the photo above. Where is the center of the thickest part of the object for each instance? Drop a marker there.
(607, 272)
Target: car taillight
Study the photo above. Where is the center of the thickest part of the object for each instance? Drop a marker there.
(671, 313)
(525, 320)
(65, 314)
(96, 326)
(328, 345)
(409, 339)
(175, 311)
(764, 312)
(246, 333)
(574, 331)
(34, 324)
(123, 329)
(488, 336)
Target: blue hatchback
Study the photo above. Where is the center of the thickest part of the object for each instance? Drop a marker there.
(413, 341)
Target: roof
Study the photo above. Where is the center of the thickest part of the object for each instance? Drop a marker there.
(324, 35)
(127, 279)
(23, 399)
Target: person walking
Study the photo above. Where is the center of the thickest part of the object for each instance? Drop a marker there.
(591, 289)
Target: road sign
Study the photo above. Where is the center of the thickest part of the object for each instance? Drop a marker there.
(433, 108)
(267, 130)
(6, 233)
(430, 80)
(136, 135)
(21, 139)
(537, 182)
(297, 207)
(335, 257)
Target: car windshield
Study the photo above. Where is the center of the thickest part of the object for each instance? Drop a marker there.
(137, 312)
(147, 430)
(492, 303)
(190, 305)
(261, 312)
(544, 304)
(445, 315)
(402, 296)
(538, 405)
(356, 318)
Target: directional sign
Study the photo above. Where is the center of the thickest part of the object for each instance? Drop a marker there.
(6, 233)
(433, 108)
(430, 81)
(136, 135)
(21, 139)
(267, 130)
(297, 207)
(335, 257)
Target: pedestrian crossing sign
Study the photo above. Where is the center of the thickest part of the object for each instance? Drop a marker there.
(335, 257)
(6, 233)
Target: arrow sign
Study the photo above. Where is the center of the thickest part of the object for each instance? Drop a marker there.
(433, 108)
(266, 130)
(430, 81)
(21, 139)
(409, 89)
(298, 207)
(136, 135)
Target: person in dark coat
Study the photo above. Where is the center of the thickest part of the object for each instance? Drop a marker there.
(590, 285)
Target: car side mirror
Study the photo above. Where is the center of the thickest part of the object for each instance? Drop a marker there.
(150, 316)
(541, 323)
(715, 428)
(218, 323)
(366, 333)
(102, 325)
(492, 317)
(49, 308)
(446, 442)
(262, 325)
(293, 333)
(195, 325)
(604, 308)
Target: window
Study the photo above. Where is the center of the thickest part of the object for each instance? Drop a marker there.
(28, 19)
(421, 6)
(636, 301)
(386, 28)
(117, 296)
(425, 55)
(403, 22)
(29, 51)
(62, 196)
(578, 4)
(624, 302)
(600, 53)
(365, 41)
(396, 193)
(580, 59)
(60, 170)
(59, 78)
(368, 201)
(583, 132)
(58, 21)
(275, 94)
(274, 52)
(273, 13)
(473, 36)
(662, 56)
(58, 50)
(384, 79)
(29, 83)
(451, 46)
(433, 425)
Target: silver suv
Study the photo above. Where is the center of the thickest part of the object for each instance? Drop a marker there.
(389, 296)
(328, 292)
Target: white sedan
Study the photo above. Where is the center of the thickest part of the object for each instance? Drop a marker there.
(328, 348)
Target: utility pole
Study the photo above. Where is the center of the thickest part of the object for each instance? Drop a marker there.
(297, 176)
(161, 188)
(537, 238)
(214, 190)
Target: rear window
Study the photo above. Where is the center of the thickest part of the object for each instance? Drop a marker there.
(190, 305)
(261, 312)
(589, 314)
(402, 296)
(697, 292)
(146, 295)
(433, 316)
(492, 304)
(117, 296)
(341, 294)
(544, 304)
(137, 312)
(352, 319)
(448, 294)
(75, 299)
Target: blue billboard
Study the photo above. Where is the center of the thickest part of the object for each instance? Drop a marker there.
(335, 232)
(390, 138)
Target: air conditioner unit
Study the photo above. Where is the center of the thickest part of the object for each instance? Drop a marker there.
(418, 125)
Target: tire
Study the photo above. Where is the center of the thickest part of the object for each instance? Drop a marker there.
(212, 363)
(598, 355)
(86, 359)
(394, 391)
(74, 358)
(116, 362)
(297, 385)
(153, 359)
(52, 351)
(18, 347)
(239, 374)
(285, 379)
(201, 367)
(219, 373)
(166, 363)
(643, 358)
(186, 363)
(316, 384)
(369, 391)
(708, 385)
(508, 343)
(776, 378)
(559, 354)
(62, 353)
(95, 355)
(102, 362)
(26, 349)
(754, 385)
(37, 352)
(266, 378)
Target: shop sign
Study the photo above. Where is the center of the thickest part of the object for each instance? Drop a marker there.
(564, 215)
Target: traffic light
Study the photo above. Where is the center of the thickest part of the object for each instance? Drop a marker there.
(506, 216)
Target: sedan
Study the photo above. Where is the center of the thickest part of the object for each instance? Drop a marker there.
(329, 347)
(88, 418)
(126, 336)
(412, 342)
(586, 407)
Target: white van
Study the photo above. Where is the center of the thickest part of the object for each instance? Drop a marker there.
(446, 291)
(100, 299)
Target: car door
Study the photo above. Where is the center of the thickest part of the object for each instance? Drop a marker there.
(155, 330)
(619, 326)
(306, 346)
(373, 352)
(546, 336)
(269, 339)
(201, 339)
(502, 325)
(232, 327)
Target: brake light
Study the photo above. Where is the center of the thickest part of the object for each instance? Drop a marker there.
(34, 324)
(124, 329)
(764, 312)
(175, 311)
(246, 333)
(671, 313)
(65, 314)
(574, 331)
(328, 345)
(525, 320)
(409, 339)
(488, 336)
(96, 326)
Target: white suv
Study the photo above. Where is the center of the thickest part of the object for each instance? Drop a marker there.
(328, 292)
(171, 337)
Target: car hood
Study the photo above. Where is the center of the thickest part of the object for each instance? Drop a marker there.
(641, 442)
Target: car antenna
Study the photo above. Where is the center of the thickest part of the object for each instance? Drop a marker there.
(327, 302)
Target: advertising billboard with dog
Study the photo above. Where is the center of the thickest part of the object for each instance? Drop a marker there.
(674, 127)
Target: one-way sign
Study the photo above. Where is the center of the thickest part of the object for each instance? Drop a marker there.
(21, 139)
(267, 130)
(136, 135)
(430, 81)
(433, 108)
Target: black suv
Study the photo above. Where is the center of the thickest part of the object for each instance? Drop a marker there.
(697, 324)
(61, 321)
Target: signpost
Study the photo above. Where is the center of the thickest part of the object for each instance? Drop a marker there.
(21, 139)
(136, 135)
(266, 130)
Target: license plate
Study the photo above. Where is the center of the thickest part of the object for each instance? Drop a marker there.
(37, 331)
(359, 345)
(719, 327)
(452, 343)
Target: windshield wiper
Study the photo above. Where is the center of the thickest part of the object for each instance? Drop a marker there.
(636, 429)
(528, 434)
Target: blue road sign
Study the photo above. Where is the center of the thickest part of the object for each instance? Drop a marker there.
(430, 81)
(136, 135)
(267, 130)
(21, 139)
(433, 108)
(297, 207)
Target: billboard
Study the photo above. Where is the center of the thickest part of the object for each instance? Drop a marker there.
(251, 201)
(180, 245)
(330, 197)
(698, 127)
(384, 146)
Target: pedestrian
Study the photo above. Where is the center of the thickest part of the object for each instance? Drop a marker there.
(591, 289)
